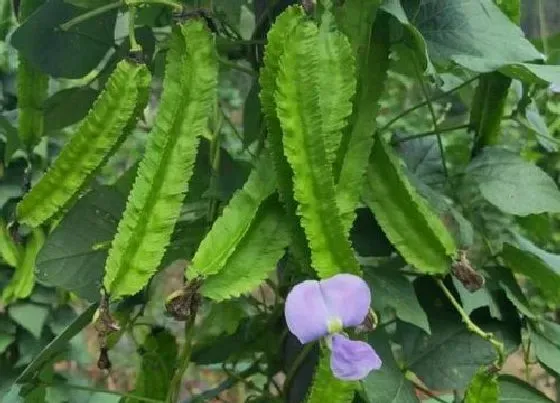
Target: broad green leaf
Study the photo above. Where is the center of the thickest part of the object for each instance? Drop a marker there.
(405, 216)
(68, 106)
(511, 8)
(483, 388)
(104, 128)
(512, 184)
(10, 252)
(487, 109)
(282, 29)
(5, 341)
(75, 252)
(325, 387)
(507, 281)
(451, 345)
(392, 289)
(57, 345)
(545, 337)
(254, 257)
(155, 201)
(69, 53)
(229, 230)
(413, 37)
(372, 46)
(513, 390)
(299, 112)
(533, 73)
(21, 284)
(31, 317)
(472, 33)
(388, 384)
(531, 118)
(32, 86)
(159, 355)
(541, 267)
(12, 142)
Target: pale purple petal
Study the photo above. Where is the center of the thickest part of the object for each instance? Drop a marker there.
(555, 87)
(352, 360)
(306, 313)
(347, 298)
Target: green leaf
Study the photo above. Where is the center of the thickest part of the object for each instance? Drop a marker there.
(21, 284)
(512, 184)
(10, 252)
(472, 33)
(106, 125)
(155, 201)
(229, 230)
(483, 388)
(513, 390)
(70, 53)
(89, 3)
(392, 289)
(405, 216)
(451, 345)
(159, 354)
(74, 254)
(511, 8)
(327, 388)
(32, 90)
(545, 337)
(68, 106)
(388, 384)
(533, 73)
(541, 267)
(57, 345)
(31, 317)
(299, 112)
(507, 281)
(372, 46)
(12, 143)
(255, 256)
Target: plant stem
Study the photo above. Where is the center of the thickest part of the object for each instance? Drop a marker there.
(91, 14)
(425, 103)
(96, 390)
(111, 6)
(433, 115)
(543, 30)
(235, 66)
(134, 46)
(430, 133)
(184, 360)
(297, 363)
(473, 327)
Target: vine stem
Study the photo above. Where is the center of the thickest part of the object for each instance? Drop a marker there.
(473, 327)
(425, 103)
(433, 115)
(430, 133)
(111, 6)
(134, 46)
(297, 363)
(183, 363)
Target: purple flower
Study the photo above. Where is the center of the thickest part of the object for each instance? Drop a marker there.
(316, 309)
(555, 88)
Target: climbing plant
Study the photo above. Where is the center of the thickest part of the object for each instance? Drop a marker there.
(315, 201)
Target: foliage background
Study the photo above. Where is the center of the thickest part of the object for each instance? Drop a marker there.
(232, 336)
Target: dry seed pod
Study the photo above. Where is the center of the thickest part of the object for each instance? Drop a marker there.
(466, 274)
(184, 303)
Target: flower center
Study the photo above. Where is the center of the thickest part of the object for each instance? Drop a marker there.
(334, 325)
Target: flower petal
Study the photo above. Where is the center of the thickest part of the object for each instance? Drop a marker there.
(352, 360)
(306, 312)
(347, 298)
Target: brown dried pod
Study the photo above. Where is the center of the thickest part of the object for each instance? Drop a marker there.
(466, 274)
(103, 362)
(183, 304)
(369, 324)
